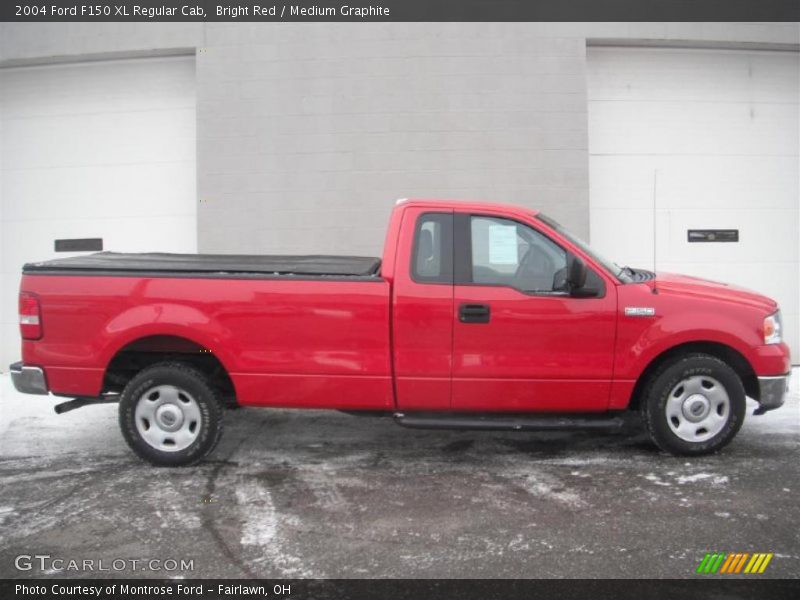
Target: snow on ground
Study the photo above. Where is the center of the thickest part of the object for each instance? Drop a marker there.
(94, 426)
(318, 493)
(84, 429)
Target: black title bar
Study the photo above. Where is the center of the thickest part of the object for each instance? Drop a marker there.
(399, 10)
(749, 588)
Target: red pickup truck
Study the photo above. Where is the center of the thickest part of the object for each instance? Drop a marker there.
(478, 316)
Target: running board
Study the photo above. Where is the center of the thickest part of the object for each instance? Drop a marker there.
(506, 423)
(79, 402)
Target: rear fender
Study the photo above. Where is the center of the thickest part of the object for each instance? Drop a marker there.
(167, 319)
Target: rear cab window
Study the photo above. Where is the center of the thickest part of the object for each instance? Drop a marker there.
(432, 255)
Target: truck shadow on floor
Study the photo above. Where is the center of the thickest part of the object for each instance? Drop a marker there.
(301, 433)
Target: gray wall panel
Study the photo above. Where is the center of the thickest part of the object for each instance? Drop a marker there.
(308, 132)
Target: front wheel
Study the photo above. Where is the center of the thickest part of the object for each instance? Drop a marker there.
(693, 405)
(169, 415)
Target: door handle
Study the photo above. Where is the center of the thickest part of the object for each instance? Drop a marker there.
(474, 313)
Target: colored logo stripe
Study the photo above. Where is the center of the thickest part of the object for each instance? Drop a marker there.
(726, 566)
(734, 562)
(758, 563)
(711, 562)
(737, 563)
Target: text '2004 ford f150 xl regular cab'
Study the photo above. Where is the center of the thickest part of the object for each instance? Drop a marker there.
(479, 315)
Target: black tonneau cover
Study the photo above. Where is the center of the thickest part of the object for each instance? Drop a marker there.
(156, 262)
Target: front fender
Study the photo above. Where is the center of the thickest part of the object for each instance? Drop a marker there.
(640, 341)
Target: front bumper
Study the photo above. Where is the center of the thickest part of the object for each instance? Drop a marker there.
(27, 379)
(772, 392)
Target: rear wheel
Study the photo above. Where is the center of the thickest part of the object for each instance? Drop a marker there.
(693, 405)
(170, 415)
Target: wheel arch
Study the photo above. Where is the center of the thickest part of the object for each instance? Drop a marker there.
(724, 352)
(148, 349)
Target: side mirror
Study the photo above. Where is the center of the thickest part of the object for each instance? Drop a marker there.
(576, 278)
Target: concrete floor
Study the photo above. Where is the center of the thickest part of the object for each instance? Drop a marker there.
(322, 494)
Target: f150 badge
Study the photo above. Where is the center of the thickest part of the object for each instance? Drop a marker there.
(639, 311)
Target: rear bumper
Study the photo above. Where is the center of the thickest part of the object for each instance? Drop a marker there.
(773, 391)
(27, 379)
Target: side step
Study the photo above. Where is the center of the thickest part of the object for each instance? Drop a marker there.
(79, 402)
(501, 422)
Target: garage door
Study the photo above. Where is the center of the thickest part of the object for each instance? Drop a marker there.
(721, 130)
(93, 150)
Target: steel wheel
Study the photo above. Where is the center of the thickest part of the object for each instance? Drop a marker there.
(697, 408)
(168, 418)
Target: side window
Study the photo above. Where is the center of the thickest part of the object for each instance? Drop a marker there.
(432, 258)
(508, 253)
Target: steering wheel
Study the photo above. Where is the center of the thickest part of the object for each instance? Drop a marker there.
(533, 277)
(560, 280)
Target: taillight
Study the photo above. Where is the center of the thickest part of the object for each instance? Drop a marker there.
(30, 316)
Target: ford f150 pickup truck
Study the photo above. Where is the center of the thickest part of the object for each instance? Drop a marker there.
(479, 315)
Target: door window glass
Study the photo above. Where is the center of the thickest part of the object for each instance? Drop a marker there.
(508, 253)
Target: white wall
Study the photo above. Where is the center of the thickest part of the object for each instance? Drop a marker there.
(96, 149)
(721, 129)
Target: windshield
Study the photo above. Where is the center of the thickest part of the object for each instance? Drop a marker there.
(610, 266)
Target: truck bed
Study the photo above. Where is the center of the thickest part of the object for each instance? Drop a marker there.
(219, 264)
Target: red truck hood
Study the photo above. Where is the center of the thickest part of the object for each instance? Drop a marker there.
(695, 286)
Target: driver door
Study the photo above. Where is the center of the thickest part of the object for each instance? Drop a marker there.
(520, 342)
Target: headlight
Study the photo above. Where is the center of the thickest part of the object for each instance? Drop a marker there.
(773, 328)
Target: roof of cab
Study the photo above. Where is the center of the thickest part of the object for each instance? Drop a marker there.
(477, 205)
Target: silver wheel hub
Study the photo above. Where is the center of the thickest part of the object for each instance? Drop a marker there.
(698, 408)
(168, 418)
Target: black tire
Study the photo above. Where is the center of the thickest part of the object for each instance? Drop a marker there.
(664, 386)
(205, 411)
